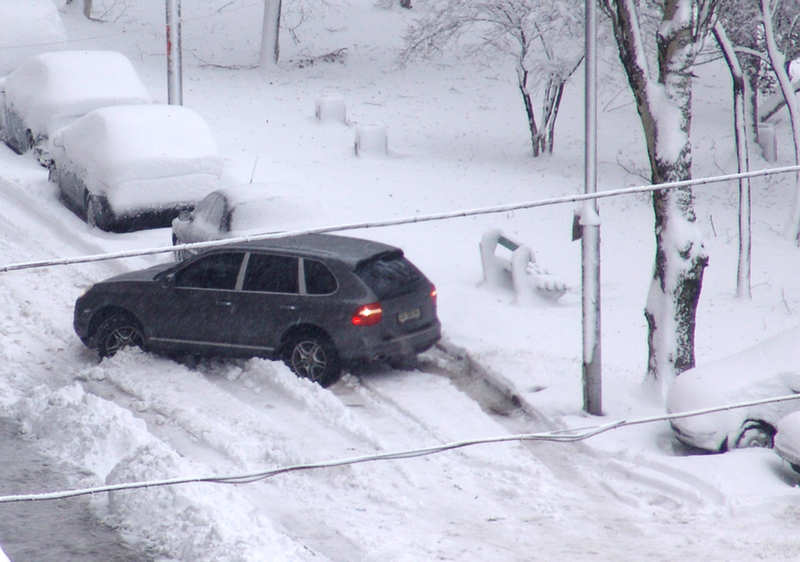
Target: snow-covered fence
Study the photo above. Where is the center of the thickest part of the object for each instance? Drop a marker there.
(330, 107)
(525, 274)
(371, 139)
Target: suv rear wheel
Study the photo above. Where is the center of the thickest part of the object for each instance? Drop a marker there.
(313, 356)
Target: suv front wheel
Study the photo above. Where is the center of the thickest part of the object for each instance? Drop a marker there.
(117, 332)
(313, 356)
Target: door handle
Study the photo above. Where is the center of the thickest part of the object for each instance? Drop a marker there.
(288, 307)
(224, 303)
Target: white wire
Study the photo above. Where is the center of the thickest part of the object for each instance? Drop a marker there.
(406, 220)
(559, 436)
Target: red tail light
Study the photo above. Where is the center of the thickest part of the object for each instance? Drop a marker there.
(368, 315)
(434, 293)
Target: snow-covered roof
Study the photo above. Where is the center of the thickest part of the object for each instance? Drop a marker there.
(133, 142)
(50, 88)
(27, 28)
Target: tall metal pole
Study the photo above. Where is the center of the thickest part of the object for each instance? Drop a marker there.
(590, 235)
(174, 53)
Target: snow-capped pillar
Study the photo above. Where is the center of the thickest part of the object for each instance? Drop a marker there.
(330, 107)
(371, 139)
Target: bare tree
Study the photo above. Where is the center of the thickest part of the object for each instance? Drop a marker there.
(770, 11)
(542, 37)
(664, 102)
(740, 127)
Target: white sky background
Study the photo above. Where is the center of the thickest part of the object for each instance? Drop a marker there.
(457, 139)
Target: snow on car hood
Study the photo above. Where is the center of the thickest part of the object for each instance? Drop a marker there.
(50, 89)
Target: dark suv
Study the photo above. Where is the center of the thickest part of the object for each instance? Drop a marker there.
(317, 301)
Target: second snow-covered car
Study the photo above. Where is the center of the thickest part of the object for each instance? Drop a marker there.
(129, 167)
(769, 369)
(316, 301)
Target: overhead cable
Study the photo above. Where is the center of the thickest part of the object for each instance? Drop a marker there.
(399, 221)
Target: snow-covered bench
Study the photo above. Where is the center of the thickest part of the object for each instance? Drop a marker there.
(521, 267)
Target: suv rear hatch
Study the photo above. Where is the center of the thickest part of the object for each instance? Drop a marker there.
(405, 294)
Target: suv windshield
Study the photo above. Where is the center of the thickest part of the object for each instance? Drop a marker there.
(389, 274)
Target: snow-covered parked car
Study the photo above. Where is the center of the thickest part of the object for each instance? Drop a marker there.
(26, 29)
(51, 90)
(771, 368)
(787, 440)
(130, 167)
(243, 209)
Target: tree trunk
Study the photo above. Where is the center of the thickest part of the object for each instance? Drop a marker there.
(536, 135)
(777, 60)
(664, 106)
(270, 34)
(551, 103)
(740, 115)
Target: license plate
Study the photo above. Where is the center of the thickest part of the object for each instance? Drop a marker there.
(407, 315)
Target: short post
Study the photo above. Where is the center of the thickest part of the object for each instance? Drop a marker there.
(371, 139)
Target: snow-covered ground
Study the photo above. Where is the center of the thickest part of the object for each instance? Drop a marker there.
(457, 140)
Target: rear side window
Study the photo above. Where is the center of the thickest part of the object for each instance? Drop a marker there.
(217, 271)
(389, 275)
(271, 274)
(319, 279)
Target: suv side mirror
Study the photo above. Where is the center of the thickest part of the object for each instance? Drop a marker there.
(167, 279)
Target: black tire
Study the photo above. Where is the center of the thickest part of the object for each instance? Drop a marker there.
(313, 356)
(118, 332)
(97, 212)
(408, 362)
(756, 434)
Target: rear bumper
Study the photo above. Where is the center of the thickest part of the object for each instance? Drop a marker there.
(374, 349)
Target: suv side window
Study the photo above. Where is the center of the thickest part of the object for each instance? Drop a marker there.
(271, 274)
(216, 271)
(319, 279)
